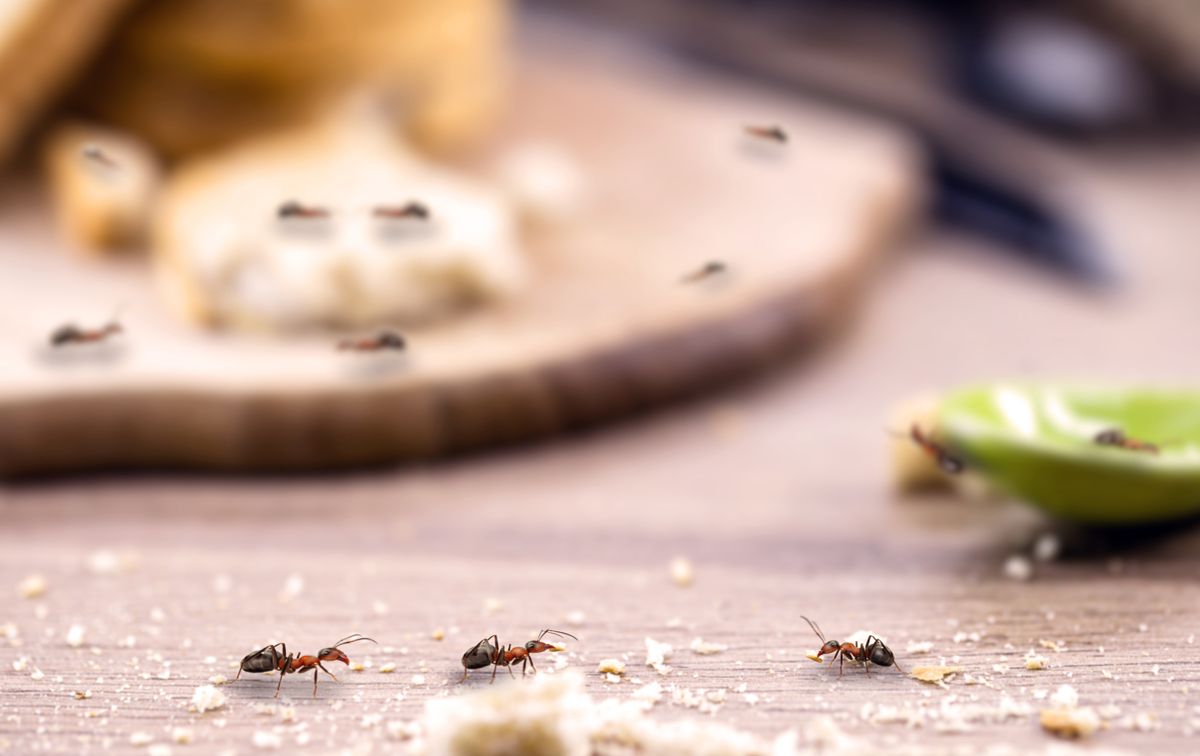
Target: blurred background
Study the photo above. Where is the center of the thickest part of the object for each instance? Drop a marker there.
(636, 333)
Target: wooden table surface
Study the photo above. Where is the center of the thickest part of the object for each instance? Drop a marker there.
(776, 491)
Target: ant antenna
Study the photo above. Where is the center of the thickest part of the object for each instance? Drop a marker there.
(354, 638)
(546, 632)
(815, 628)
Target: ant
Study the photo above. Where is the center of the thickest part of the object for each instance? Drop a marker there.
(276, 657)
(710, 268)
(773, 133)
(73, 334)
(872, 652)
(489, 651)
(95, 154)
(294, 209)
(408, 210)
(1117, 437)
(384, 340)
(945, 460)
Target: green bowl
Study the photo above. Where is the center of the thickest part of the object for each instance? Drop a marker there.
(1037, 443)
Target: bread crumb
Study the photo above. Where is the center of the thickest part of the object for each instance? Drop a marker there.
(159, 749)
(575, 618)
(935, 673)
(681, 571)
(267, 740)
(919, 647)
(1070, 723)
(611, 666)
(1035, 661)
(37, 674)
(387, 668)
(76, 635)
(206, 698)
(401, 730)
(418, 679)
(1046, 547)
(1066, 697)
(438, 634)
(657, 655)
(492, 605)
(1057, 648)
(82, 695)
(32, 586)
(182, 735)
(293, 586)
(707, 648)
(141, 739)
(649, 694)
(1018, 567)
(357, 666)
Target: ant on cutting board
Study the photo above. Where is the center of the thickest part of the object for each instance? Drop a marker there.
(381, 341)
(872, 652)
(407, 210)
(773, 133)
(73, 334)
(294, 209)
(948, 462)
(709, 269)
(276, 657)
(489, 651)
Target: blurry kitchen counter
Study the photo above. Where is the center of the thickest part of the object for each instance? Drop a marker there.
(605, 329)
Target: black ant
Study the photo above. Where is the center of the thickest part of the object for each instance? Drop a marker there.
(294, 209)
(408, 210)
(872, 652)
(710, 268)
(945, 460)
(100, 157)
(489, 651)
(73, 334)
(773, 133)
(276, 657)
(383, 340)
(1117, 437)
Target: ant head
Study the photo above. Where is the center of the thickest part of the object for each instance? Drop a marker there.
(828, 647)
(333, 654)
(391, 340)
(880, 654)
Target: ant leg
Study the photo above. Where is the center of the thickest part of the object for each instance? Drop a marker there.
(279, 683)
(841, 663)
(322, 666)
(495, 666)
(239, 674)
(510, 672)
(464, 677)
(315, 673)
(530, 659)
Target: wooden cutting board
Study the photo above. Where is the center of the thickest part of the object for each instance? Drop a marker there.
(605, 330)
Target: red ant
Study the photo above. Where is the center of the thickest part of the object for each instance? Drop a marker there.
(774, 133)
(710, 268)
(73, 334)
(872, 652)
(1117, 437)
(489, 651)
(408, 210)
(276, 657)
(294, 209)
(100, 157)
(945, 460)
(384, 340)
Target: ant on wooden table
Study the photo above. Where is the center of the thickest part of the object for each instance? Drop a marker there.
(276, 657)
(872, 652)
(73, 334)
(489, 651)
